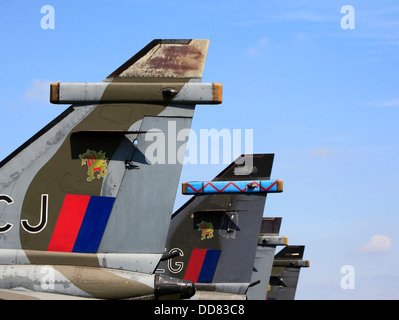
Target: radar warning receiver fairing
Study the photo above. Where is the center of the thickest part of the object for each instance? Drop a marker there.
(76, 217)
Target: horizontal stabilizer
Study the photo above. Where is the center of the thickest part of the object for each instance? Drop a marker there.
(250, 186)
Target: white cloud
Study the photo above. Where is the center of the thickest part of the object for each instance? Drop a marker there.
(385, 103)
(39, 90)
(324, 152)
(257, 49)
(378, 243)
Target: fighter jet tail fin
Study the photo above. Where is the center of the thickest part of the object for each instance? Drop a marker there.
(77, 185)
(287, 265)
(268, 240)
(215, 234)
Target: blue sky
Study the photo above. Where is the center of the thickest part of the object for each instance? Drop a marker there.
(324, 99)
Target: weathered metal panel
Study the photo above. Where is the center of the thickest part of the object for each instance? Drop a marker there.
(168, 59)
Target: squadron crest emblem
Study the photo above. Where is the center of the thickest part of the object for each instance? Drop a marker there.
(96, 162)
(207, 230)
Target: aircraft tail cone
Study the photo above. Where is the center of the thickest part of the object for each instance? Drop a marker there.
(168, 286)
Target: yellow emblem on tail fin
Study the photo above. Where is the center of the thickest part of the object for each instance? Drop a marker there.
(207, 230)
(96, 162)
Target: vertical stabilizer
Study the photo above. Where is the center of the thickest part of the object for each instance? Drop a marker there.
(268, 240)
(102, 177)
(211, 232)
(285, 273)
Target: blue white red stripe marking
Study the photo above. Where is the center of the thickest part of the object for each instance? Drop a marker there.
(202, 265)
(81, 224)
